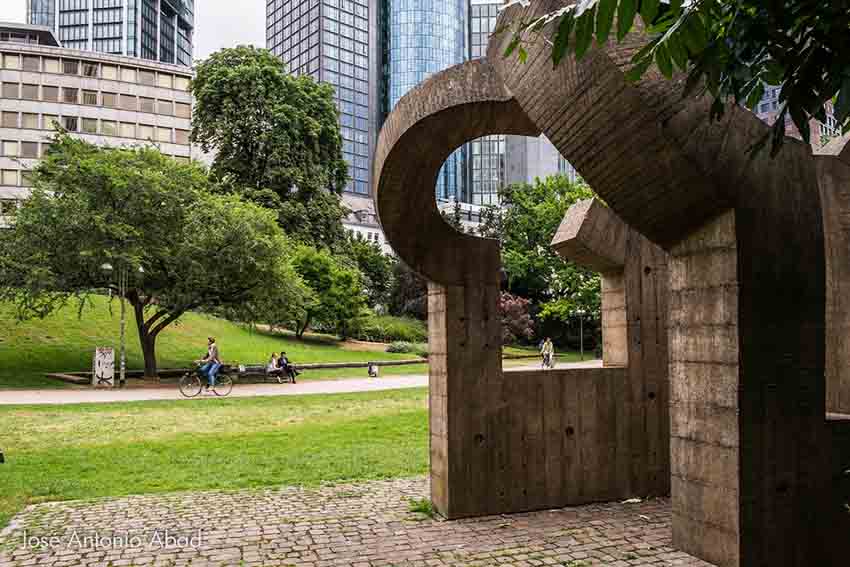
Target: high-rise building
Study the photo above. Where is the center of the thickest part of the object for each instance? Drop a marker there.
(426, 37)
(107, 100)
(157, 30)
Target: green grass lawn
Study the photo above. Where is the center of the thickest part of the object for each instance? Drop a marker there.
(93, 450)
(66, 342)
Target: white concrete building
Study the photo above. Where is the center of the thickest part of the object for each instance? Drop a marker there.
(105, 99)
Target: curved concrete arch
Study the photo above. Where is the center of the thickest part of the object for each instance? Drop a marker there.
(450, 108)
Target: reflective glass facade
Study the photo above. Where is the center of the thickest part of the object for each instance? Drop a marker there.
(425, 37)
(486, 155)
(160, 30)
(330, 40)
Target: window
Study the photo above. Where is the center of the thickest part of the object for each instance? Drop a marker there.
(50, 94)
(31, 63)
(45, 148)
(29, 92)
(128, 74)
(90, 97)
(181, 137)
(146, 104)
(129, 102)
(108, 128)
(128, 130)
(69, 123)
(10, 148)
(9, 120)
(165, 107)
(181, 83)
(164, 80)
(29, 121)
(9, 177)
(90, 125)
(12, 61)
(147, 77)
(26, 178)
(50, 65)
(70, 67)
(47, 121)
(109, 72)
(70, 95)
(10, 90)
(145, 132)
(163, 135)
(89, 69)
(29, 149)
(110, 100)
(183, 110)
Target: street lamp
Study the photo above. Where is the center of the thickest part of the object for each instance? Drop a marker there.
(580, 313)
(122, 291)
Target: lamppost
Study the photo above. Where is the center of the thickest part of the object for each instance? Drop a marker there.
(122, 291)
(580, 313)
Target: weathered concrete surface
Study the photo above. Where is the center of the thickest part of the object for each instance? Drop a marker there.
(747, 337)
(634, 329)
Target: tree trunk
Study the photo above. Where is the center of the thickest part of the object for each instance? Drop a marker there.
(149, 352)
(302, 328)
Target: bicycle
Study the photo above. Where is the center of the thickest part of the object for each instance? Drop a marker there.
(192, 383)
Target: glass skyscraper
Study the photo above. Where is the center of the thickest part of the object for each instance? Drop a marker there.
(158, 30)
(425, 37)
(335, 41)
(486, 167)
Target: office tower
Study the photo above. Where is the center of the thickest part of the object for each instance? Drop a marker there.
(104, 99)
(486, 167)
(158, 30)
(425, 37)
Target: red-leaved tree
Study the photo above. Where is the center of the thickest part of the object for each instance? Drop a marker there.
(516, 322)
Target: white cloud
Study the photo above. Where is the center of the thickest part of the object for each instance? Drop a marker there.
(227, 23)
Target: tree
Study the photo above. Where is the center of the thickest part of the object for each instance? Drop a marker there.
(375, 267)
(336, 292)
(276, 139)
(146, 215)
(409, 293)
(525, 224)
(731, 48)
(517, 324)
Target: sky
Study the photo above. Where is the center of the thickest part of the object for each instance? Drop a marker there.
(218, 23)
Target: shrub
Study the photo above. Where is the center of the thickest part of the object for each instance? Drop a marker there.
(387, 328)
(419, 349)
(517, 324)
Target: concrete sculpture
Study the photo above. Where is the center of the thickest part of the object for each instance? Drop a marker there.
(756, 463)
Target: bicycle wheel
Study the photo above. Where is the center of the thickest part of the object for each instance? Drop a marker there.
(190, 385)
(223, 385)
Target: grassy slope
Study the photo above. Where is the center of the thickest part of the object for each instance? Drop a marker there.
(94, 450)
(65, 342)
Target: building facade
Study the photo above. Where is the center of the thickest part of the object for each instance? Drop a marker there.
(104, 99)
(157, 30)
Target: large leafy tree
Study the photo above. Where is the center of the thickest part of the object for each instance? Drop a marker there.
(148, 216)
(275, 138)
(336, 291)
(375, 267)
(525, 224)
(731, 48)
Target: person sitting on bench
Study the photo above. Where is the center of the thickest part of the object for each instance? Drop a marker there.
(287, 369)
(273, 367)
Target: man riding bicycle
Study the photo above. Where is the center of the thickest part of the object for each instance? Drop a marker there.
(211, 363)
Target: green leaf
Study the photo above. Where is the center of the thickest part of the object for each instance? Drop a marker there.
(512, 46)
(662, 58)
(677, 51)
(842, 103)
(694, 34)
(774, 72)
(648, 10)
(801, 121)
(523, 54)
(584, 32)
(676, 6)
(604, 19)
(562, 39)
(638, 69)
(626, 12)
(755, 96)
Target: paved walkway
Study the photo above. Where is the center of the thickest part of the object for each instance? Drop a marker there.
(10, 397)
(360, 525)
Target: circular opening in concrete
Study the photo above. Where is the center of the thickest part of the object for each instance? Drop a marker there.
(652, 395)
(647, 270)
(570, 431)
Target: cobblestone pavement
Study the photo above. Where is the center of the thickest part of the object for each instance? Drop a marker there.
(358, 525)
